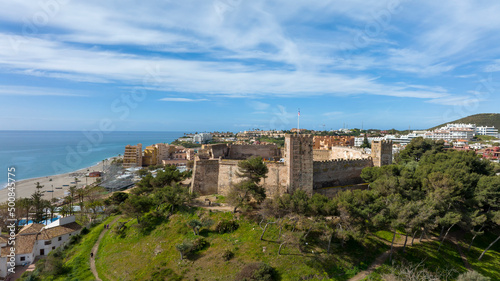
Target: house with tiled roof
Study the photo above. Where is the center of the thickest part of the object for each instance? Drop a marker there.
(37, 240)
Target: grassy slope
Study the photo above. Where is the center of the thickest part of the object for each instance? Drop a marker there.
(138, 255)
(77, 257)
(485, 119)
(449, 257)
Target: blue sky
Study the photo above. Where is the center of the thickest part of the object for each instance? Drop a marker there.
(234, 65)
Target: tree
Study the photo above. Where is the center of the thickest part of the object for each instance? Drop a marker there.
(195, 225)
(136, 206)
(495, 220)
(184, 248)
(251, 171)
(417, 148)
(366, 143)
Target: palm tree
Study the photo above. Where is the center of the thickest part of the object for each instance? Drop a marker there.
(72, 192)
(25, 204)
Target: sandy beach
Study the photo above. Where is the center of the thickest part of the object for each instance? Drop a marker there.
(60, 183)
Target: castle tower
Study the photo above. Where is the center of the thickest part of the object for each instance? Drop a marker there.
(381, 153)
(299, 162)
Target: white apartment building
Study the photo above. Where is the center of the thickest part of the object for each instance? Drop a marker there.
(487, 131)
(202, 138)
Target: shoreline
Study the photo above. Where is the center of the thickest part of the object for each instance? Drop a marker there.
(59, 183)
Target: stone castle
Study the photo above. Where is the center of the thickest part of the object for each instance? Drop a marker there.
(295, 166)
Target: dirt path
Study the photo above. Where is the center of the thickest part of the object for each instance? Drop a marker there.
(95, 248)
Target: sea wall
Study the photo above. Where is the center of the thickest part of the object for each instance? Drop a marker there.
(338, 172)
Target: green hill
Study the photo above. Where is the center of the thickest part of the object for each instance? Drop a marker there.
(483, 119)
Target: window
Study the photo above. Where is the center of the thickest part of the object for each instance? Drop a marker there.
(48, 242)
(23, 258)
(59, 239)
(53, 247)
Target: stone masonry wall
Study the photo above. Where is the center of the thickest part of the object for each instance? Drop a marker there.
(338, 172)
(299, 162)
(321, 155)
(227, 175)
(242, 151)
(205, 177)
(348, 153)
(277, 179)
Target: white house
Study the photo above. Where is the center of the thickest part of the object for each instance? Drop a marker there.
(37, 240)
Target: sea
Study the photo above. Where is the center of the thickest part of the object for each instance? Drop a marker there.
(44, 153)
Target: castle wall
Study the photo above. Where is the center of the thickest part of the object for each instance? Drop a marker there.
(243, 151)
(348, 153)
(205, 177)
(218, 150)
(338, 172)
(227, 176)
(321, 155)
(277, 179)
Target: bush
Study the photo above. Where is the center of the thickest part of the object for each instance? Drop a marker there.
(227, 255)
(226, 226)
(84, 231)
(75, 239)
(199, 244)
(472, 276)
(258, 271)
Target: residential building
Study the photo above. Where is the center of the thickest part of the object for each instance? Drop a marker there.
(202, 138)
(35, 240)
(132, 156)
(487, 131)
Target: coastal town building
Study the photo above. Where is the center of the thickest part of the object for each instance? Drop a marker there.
(132, 157)
(37, 240)
(202, 138)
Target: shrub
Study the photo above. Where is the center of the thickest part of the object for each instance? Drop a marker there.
(226, 226)
(258, 271)
(75, 239)
(199, 244)
(227, 255)
(84, 231)
(472, 276)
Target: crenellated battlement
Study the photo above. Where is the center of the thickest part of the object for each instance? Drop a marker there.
(368, 159)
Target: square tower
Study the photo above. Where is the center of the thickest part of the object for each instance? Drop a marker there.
(381, 153)
(299, 162)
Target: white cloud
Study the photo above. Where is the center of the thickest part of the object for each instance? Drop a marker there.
(182, 99)
(37, 91)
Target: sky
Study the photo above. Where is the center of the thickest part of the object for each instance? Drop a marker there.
(234, 65)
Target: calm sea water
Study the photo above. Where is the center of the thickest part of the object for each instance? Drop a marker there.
(44, 153)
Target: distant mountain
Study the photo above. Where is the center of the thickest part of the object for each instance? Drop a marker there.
(483, 119)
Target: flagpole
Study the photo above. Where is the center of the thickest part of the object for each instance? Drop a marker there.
(298, 122)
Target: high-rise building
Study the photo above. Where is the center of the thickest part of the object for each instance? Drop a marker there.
(132, 156)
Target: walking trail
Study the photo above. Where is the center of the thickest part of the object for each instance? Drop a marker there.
(95, 248)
